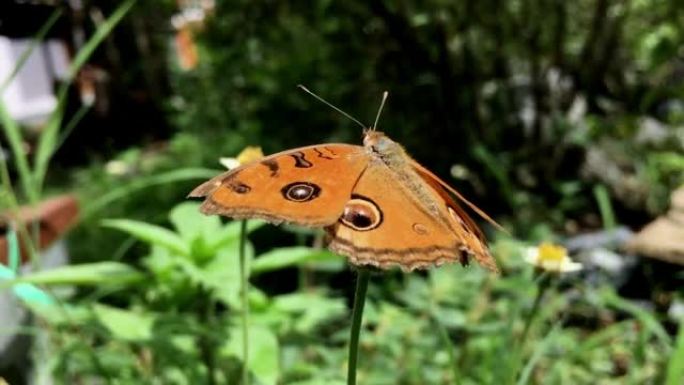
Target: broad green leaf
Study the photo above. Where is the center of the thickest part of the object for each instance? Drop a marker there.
(191, 224)
(125, 324)
(222, 274)
(289, 256)
(62, 314)
(311, 309)
(231, 232)
(150, 234)
(263, 361)
(96, 274)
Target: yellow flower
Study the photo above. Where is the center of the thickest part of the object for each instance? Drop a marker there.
(248, 155)
(551, 257)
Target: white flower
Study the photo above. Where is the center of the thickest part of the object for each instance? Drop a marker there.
(551, 257)
(247, 155)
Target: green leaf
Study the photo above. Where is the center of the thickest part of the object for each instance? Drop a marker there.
(96, 274)
(264, 354)
(675, 368)
(222, 274)
(152, 234)
(125, 324)
(289, 256)
(191, 224)
(311, 309)
(539, 351)
(91, 208)
(647, 320)
(231, 232)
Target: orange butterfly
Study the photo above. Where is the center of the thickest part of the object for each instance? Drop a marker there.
(378, 206)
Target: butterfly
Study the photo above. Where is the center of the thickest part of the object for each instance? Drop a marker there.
(377, 205)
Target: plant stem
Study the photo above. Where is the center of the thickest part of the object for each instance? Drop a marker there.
(362, 279)
(206, 341)
(544, 283)
(245, 304)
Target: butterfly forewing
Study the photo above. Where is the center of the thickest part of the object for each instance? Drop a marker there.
(307, 186)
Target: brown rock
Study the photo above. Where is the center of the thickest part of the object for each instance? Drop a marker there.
(663, 238)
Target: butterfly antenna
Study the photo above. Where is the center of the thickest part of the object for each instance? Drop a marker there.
(382, 104)
(327, 103)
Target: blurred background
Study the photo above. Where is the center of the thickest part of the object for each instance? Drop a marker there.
(562, 120)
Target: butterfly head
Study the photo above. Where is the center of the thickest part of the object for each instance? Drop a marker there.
(378, 142)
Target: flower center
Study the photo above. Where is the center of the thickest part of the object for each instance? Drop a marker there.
(551, 253)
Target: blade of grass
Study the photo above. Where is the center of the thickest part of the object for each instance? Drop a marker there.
(675, 368)
(47, 143)
(71, 124)
(605, 207)
(645, 318)
(15, 140)
(35, 41)
(538, 353)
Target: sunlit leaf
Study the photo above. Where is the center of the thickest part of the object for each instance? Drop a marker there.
(125, 324)
(263, 361)
(96, 274)
(289, 256)
(150, 233)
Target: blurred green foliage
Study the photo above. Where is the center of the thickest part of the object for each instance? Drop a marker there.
(555, 116)
(451, 325)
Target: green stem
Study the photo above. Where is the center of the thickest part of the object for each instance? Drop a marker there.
(244, 281)
(544, 283)
(444, 336)
(357, 316)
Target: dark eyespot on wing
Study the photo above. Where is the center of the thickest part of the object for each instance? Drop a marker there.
(240, 187)
(300, 191)
(300, 160)
(361, 214)
(272, 165)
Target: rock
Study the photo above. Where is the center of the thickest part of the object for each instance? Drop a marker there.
(663, 238)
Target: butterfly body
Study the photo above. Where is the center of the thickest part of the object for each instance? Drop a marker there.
(378, 206)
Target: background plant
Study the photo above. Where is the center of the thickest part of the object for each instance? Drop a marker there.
(558, 118)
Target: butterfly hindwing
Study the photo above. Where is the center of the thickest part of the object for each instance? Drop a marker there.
(384, 225)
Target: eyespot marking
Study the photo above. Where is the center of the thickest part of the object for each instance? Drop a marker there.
(361, 214)
(300, 191)
(300, 160)
(240, 187)
(420, 229)
(272, 165)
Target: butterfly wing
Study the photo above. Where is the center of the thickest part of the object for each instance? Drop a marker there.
(384, 225)
(308, 186)
(473, 240)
